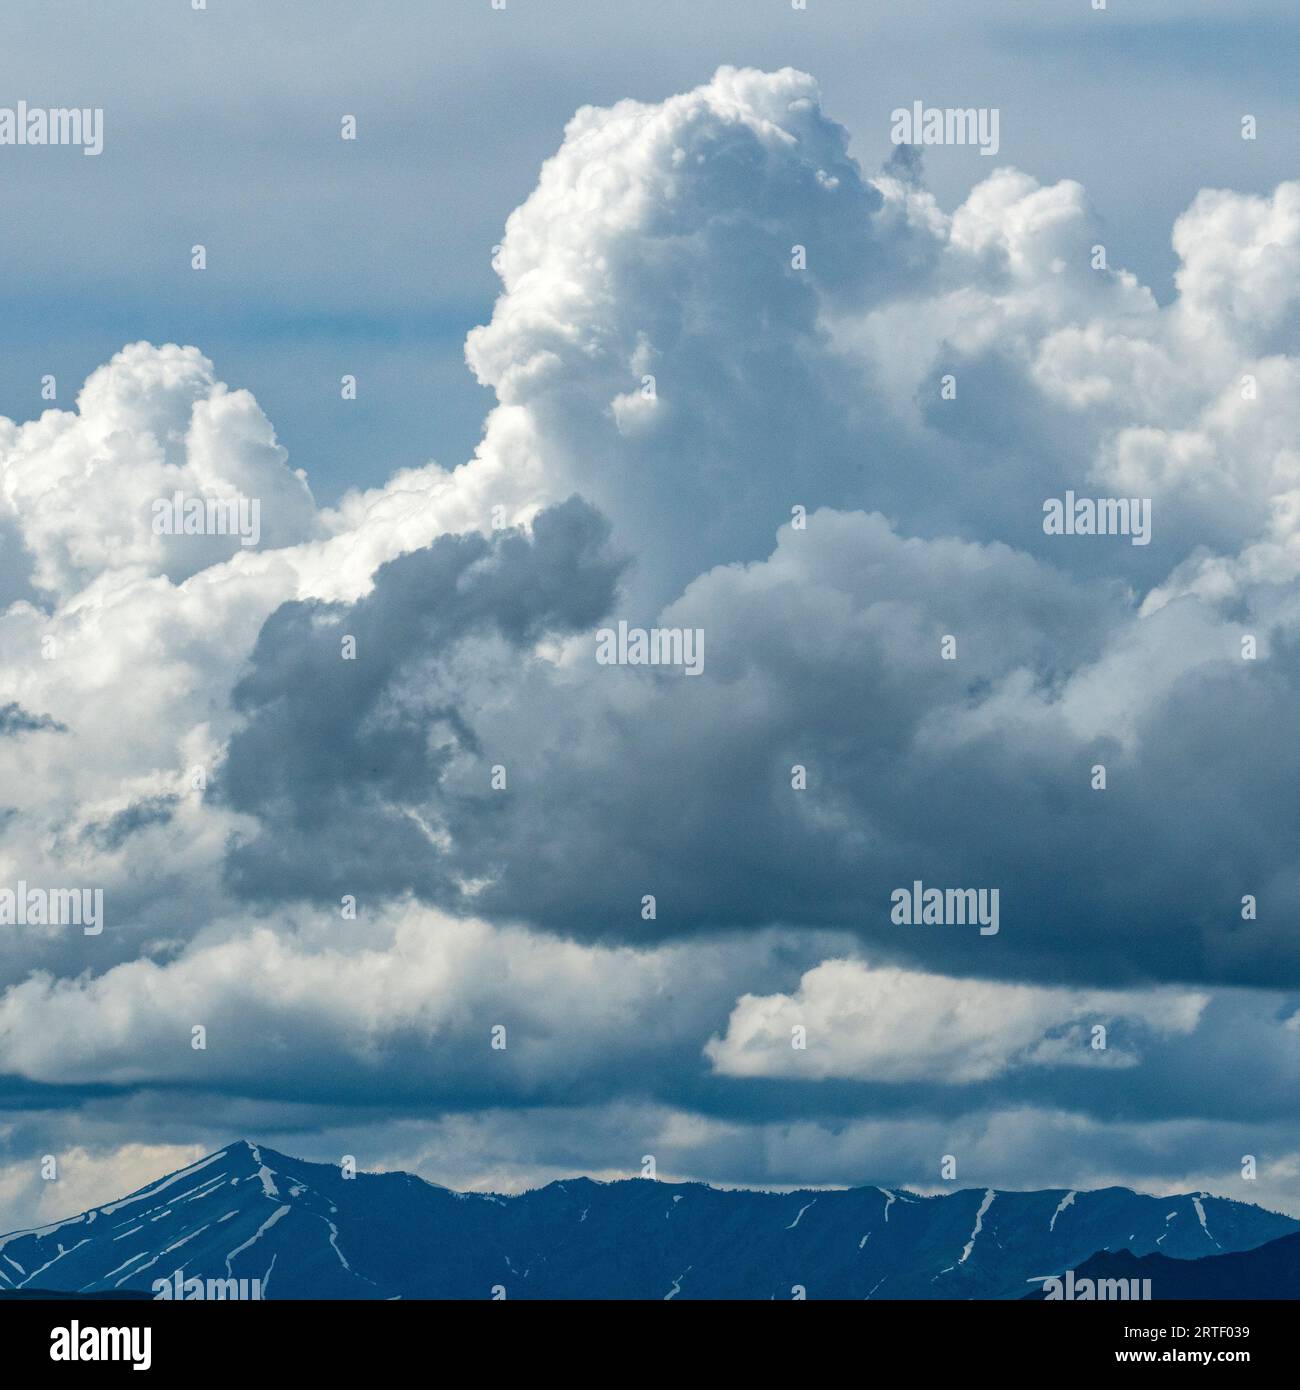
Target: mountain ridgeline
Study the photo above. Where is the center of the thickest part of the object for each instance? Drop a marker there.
(260, 1224)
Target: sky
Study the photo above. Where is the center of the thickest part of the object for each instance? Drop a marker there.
(375, 257)
(651, 322)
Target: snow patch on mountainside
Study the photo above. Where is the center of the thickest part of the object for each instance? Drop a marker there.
(1066, 1201)
(269, 1188)
(979, 1225)
(255, 1237)
(55, 1260)
(798, 1218)
(1200, 1216)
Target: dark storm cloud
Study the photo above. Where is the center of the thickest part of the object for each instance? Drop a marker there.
(16, 720)
(113, 833)
(337, 754)
(629, 781)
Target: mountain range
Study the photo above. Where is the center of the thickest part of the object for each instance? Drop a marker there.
(1270, 1271)
(305, 1230)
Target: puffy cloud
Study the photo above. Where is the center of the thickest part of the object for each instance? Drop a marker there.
(662, 242)
(1240, 272)
(81, 485)
(888, 1024)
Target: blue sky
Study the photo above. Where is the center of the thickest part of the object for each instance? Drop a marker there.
(183, 726)
(374, 257)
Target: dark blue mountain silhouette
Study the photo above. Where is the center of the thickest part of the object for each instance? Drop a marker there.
(1270, 1271)
(303, 1230)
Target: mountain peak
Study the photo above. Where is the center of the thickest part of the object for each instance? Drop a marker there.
(293, 1229)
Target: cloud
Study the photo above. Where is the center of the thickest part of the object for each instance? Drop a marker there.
(898, 1025)
(81, 484)
(422, 995)
(680, 267)
(977, 772)
(378, 712)
(14, 719)
(691, 431)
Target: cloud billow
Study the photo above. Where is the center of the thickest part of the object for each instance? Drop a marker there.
(341, 755)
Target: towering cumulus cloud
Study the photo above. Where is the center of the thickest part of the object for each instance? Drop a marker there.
(360, 792)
